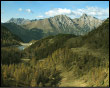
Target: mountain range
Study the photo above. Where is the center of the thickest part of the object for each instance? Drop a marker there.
(29, 30)
(20, 21)
(64, 24)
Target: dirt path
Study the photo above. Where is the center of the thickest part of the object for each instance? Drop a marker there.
(72, 83)
(68, 80)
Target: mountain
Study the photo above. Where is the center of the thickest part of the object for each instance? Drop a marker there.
(64, 24)
(8, 38)
(19, 21)
(87, 23)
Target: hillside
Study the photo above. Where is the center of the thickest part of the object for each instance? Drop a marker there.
(48, 44)
(8, 38)
(24, 34)
(99, 38)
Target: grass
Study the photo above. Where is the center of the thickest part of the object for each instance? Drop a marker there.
(25, 60)
(100, 77)
(84, 50)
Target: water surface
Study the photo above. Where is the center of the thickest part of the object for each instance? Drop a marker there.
(21, 47)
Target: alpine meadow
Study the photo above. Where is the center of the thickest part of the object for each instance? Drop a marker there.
(54, 43)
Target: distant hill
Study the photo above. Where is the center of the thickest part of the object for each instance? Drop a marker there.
(19, 21)
(24, 34)
(8, 38)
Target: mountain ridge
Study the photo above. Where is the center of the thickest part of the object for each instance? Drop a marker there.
(64, 24)
(52, 26)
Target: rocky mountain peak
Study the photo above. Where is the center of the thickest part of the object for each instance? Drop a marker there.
(18, 21)
(84, 15)
(60, 15)
(61, 18)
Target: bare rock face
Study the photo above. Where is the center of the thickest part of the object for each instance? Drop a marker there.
(87, 23)
(63, 24)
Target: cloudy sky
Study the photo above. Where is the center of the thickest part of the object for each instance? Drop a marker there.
(45, 9)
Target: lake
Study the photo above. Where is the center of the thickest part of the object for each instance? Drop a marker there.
(21, 47)
(24, 45)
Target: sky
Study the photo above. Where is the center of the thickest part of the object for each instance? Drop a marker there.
(45, 9)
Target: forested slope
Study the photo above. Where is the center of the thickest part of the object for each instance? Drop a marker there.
(8, 38)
